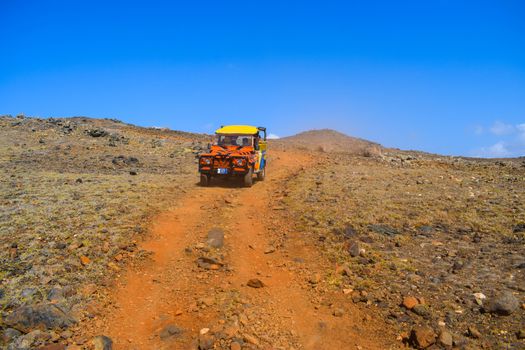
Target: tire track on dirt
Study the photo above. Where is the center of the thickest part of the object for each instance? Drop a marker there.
(171, 290)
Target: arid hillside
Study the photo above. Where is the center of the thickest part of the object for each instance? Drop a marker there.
(109, 243)
(76, 195)
(332, 141)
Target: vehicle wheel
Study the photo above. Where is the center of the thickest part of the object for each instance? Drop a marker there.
(248, 178)
(261, 174)
(205, 180)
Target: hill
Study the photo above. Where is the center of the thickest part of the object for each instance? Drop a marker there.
(327, 140)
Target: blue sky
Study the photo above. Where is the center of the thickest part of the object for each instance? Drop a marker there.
(439, 76)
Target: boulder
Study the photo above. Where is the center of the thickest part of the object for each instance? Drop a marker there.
(445, 339)
(9, 334)
(422, 337)
(170, 331)
(409, 302)
(255, 283)
(502, 304)
(28, 341)
(44, 316)
(102, 342)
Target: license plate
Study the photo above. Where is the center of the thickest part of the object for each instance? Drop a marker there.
(222, 171)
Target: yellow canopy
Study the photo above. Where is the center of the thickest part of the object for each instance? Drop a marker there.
(237, 130)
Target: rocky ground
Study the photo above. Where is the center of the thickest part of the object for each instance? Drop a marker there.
(108, 243)
(76, 196)
(434, 244)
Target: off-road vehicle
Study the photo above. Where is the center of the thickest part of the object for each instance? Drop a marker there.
(238, 151)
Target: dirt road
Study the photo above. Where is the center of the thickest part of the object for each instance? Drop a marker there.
(176, 301)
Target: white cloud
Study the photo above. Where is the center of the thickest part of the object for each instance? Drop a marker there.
(499, 128)
(497, 150)
(272, 136)
(511, 141)
(521, 132)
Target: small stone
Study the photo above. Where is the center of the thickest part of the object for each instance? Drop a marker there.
(269, 250)
(338, 312)
(206, 341)
(479, 297)
(102, 342)
(315, 279)
(422, 310)
(521, 334)
(502, 304)
(354, 248)
(9, 334)
(445, 339)
(422, 337)
(170, 331)
(231, 331)
(235, 346)
(473, 332)
(66, 334)
(409, 302)
(84, 260)
(255, 283)
(251, 339)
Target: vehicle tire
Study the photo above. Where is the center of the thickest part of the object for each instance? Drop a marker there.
(205, 180)
(261, 174)
(248, 178)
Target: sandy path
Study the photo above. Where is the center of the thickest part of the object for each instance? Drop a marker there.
(259, 243)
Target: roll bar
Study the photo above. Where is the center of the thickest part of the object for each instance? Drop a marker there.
(263, 129)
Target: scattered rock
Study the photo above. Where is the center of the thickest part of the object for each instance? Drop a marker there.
(338, 312)
(269, 250)
(473, 332)
(479, 297)
(235, 346)
(502, 304)
(9, 334)
(97, 132)
(84, 260)
(251, 339)
(354, 249)
(206, 341)
(28, 341)
(521, 334)
(445, 339)
(209, 263)
(383, 229)
(47, 316)
(315, 279)
(255, 283)
(422, 337)
(519, 228)
(215, 238)
(422, 310)
(102, 342)
(409, 302)
(170, 331)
